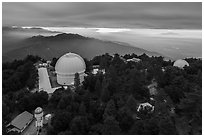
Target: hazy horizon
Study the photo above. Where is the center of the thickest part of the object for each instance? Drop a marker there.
(174, 43)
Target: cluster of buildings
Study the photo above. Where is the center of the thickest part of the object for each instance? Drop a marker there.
(24, 120)
(40, 64)
(153, 87)
(66, 67)
(70, 63)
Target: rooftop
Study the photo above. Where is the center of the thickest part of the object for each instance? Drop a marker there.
(21, 120)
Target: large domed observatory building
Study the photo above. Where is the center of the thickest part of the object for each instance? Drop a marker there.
(67, 66)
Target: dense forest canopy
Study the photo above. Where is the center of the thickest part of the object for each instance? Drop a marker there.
(106, 104)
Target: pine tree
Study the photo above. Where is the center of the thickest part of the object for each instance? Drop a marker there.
(111, 126)
(79, 125)
(76, 81)
(105, 93)
(131, 103)
(110, 109)
(98, 87)
(82, 109)
(166, 127)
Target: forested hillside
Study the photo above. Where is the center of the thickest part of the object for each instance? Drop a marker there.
(106, 104)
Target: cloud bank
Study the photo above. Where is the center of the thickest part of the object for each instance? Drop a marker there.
(106, 15)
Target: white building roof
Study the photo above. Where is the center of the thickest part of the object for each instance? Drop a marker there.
(38, 110)
(134, 59)
(143, 105)
(48, 116)
(180, 63)
(96, 70)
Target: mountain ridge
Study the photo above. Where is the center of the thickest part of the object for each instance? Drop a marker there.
(61, 36)
(57, 45)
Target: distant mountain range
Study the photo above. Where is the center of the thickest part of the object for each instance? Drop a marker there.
(48, 47)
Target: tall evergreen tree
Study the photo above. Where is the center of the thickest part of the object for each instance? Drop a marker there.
(76, 81)
(105, 92)
(98, 87)
(131, 103)
(79, 125)
(166, 127)
(110, 109)
(82, 109)
(111, 126)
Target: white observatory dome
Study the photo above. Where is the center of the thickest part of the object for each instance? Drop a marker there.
(66, 67)
(180, 63)
(38, 110)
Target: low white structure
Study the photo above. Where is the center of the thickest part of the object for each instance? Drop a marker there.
(180, 63)
(66, 67)
(146, 106)
(45, 64)
(96, 69)
(152, 99)
(39, 117)
(48, 62)
(134, 60)
(163, 69)
(48, 117)
(42, 65)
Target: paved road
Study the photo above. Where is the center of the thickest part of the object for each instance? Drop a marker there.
(44, 81)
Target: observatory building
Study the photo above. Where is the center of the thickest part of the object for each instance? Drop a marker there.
(180, 63)
(66, 67)
(20, 123)
(39, 117)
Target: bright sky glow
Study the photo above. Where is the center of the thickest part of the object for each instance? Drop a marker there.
(176, 33)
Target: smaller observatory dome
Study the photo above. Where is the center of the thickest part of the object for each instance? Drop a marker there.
(66, 67)
(180, 63)
(38, 110)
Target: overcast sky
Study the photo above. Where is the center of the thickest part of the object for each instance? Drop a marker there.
(122, 15)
